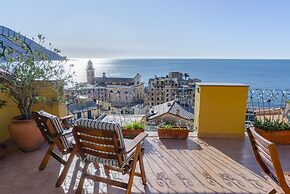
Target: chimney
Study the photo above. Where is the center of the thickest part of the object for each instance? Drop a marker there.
(177, 112)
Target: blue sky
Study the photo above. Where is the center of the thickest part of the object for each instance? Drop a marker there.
(156, 28)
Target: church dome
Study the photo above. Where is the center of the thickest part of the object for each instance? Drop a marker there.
(90, 64)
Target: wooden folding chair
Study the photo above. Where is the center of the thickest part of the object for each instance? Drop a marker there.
(57, 132)
(267, 157)
(103, 143)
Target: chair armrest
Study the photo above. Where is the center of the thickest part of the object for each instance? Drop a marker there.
(132, 144)
(66, 117)
(66, 121)
(66, 132)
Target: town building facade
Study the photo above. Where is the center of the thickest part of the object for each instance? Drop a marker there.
(119, 91)
(171, 87)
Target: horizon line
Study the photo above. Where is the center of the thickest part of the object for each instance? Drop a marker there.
(201, 58)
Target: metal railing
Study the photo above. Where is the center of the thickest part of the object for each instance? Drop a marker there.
(266, 103)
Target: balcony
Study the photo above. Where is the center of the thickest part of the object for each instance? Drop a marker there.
(196, 165)
(172, 166)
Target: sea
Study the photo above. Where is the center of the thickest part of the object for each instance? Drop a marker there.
(257, 73)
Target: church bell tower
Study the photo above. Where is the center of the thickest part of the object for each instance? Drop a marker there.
(90, 72)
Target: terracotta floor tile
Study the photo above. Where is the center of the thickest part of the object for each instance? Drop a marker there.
(172, 166)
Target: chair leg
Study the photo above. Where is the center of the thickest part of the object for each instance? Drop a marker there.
(82, 179)
(273, 191)
(46, 157)
(143, 175)
(132, 172)
(66, 167)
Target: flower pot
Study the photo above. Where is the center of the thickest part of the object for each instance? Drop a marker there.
(173, 133)
(278, 137)
(131, 133)
(25, 134)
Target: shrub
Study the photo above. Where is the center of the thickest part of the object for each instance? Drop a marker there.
(23, 75)
(270, 125)
(171, 125)
(134, 125)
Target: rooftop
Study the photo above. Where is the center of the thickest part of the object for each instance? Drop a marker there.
(171, 107)
(172, 166)
(122, 119)
(114, 79)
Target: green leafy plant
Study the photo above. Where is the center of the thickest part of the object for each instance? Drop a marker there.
(166, 126)
(134, 125)
(2, 103)
(25, 75)
(270, 125)
(171, 125)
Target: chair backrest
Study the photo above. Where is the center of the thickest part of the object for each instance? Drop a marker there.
(100, 141)
(267, 157)
(51, 129)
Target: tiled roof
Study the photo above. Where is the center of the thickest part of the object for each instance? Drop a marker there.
(75, 108)
(171, 107)
(6, 34)
(114, 79)
(122, 119)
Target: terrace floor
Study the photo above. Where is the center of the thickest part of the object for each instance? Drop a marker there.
(172, 166)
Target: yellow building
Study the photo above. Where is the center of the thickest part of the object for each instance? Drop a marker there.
(220, 109)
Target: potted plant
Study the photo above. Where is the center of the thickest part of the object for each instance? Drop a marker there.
(169, 130)
(24, 75)
(131, 130)
(273, 130)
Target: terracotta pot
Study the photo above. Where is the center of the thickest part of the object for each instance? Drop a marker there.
(25, 134)
(131, 133)
(173, 133)
(278, 137)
